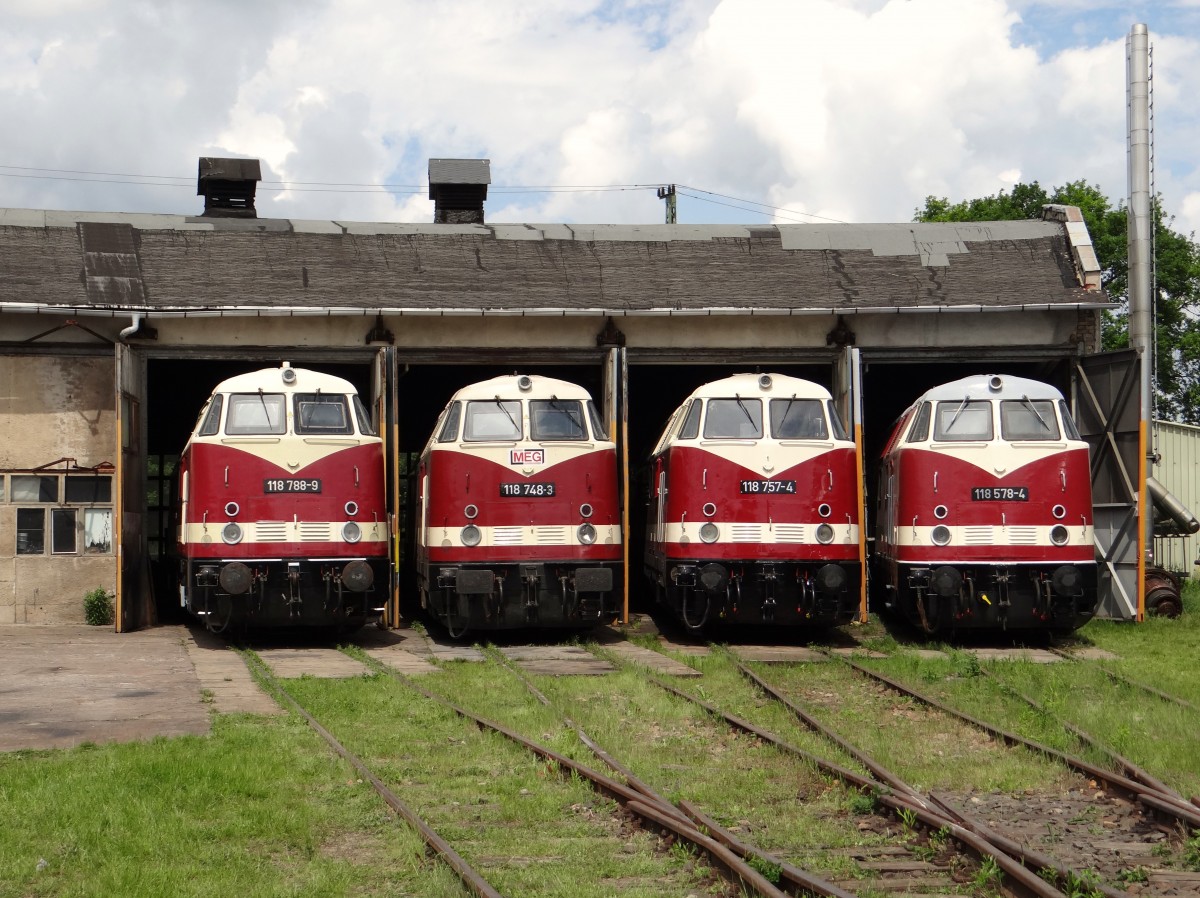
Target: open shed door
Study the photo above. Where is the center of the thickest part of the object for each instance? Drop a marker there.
(1105, 393)
(616, 418)
(134, 601)
(384, 405)
(847, 396)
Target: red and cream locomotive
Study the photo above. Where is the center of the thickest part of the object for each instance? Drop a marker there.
(754, 507)
(282, 516)
(984, 510)
(518, 519)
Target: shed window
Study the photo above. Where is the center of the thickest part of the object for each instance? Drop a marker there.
(97, 531)
(736, 419)
(256, 413)
(31, 531)
(88, 489)
(34, 488)
(62, 528)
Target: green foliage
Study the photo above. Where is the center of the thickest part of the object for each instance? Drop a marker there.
(1191, 853)
(908, 819)
(989, 874)
(771, 872)
(862, 803)
(98, 607)
(1176, 269)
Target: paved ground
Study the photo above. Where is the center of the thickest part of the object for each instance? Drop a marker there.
(61, 686)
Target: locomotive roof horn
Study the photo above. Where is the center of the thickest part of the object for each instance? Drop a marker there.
(764, 381)
(995, 383)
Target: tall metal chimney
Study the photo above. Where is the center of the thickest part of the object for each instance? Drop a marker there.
(1141, 250)
(458, 188)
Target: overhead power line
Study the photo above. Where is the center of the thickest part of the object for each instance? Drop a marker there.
(188, 182)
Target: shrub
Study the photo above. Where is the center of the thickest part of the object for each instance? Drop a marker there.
(98, 607)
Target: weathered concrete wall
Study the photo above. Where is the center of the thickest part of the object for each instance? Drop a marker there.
(52, 408)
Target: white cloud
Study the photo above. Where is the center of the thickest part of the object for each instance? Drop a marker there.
(848, 109)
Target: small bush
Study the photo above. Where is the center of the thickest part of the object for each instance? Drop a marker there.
(98, 607)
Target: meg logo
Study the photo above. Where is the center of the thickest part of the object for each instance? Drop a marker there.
(527, 456)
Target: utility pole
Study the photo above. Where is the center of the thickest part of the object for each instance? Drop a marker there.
(668, 193)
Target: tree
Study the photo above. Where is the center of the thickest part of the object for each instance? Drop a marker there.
(1177, 276)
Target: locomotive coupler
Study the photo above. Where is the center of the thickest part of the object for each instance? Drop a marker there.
(768, 602)
(530, 580)
(292, 599)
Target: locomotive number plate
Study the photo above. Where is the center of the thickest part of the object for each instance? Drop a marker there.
(1000, 493)
(762, 487)
(292, 485)
(527, 490)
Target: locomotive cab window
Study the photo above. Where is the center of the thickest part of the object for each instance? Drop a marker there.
(798, 419)
(211, 417)
(556, 419)
(493, 419)
(733, 419)
(690, 429)
(449, 431)
(598, 427)
(256, 413)
(920, 428)
(321, 413)
(365, 427)
(1028, 419)
(839, 429)
(966, 419)
(1068, 422)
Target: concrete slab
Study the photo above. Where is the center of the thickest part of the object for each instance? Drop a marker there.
(224, 677)
(778, 654)
(64, 685)
(313, 662)
(1037, 656)
(656, 661)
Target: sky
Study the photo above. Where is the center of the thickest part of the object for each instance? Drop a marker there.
(785, 111)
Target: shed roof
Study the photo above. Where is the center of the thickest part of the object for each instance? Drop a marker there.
(173, 265)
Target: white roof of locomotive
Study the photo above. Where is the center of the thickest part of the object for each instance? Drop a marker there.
(978, 386)
(747, 385)
(270, 380)
(505, 387)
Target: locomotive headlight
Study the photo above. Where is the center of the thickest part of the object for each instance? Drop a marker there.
(586, 510)
(824, 534)
(351, 509)
(709, 509)
(471, 512)
(586, 534)
(1059, 511)
(824, 510)
(231, 533)
(470, 535)
(940, 512)
(940, 535)
(709, 532)
(351, 532)
(232, 509)
(1059, 535)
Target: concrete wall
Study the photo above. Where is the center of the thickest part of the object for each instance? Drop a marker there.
(52, 408)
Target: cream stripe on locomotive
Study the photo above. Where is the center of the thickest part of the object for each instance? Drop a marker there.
(256, 532)
(288, 453)
(767, 456)
(999, 457)
(999, 535)
(555, 535)
(755, 532)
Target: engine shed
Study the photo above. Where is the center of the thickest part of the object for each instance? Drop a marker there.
(114, 327)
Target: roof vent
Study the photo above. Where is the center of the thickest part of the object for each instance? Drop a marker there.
(458, 188)
(227, 186)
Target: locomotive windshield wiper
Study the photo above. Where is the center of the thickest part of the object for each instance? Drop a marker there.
(742, 406)
(508, 414)
(557, 403)
(1036, 413)
(962, 405)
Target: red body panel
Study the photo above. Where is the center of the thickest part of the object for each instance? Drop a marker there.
(458, 479)
(208, 494)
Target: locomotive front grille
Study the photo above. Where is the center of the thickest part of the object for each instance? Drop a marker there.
(1022, 536)
(315, 531)
(789, 533)
(271, 531)
(746, 533)
(550, 536)
(507, 536)
(978, 536)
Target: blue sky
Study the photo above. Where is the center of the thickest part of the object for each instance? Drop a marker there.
(761, 110)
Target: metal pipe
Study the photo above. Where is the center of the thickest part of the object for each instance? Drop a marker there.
(133, 328)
